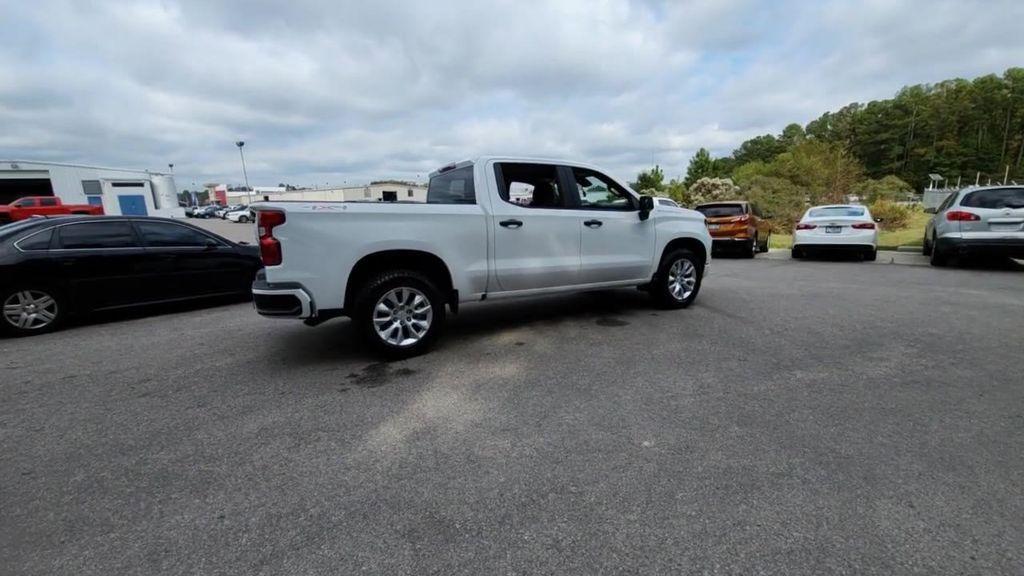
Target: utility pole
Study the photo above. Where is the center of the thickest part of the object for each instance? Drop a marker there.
(248, 190)
(1006, 175)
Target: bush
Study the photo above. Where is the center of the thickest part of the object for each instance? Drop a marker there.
(893, 215)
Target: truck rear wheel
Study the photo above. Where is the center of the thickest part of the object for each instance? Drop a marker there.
(399, 313)
(678, 279)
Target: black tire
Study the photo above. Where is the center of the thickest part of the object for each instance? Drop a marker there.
(797, 253)
(926, 247)
(939, 258)
(750, 250)
(243, 219)
(9, 325)
(767, 244)
(660, 287)
(870, 255)
(374, 290)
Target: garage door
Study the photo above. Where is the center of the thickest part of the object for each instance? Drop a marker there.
(13, 188)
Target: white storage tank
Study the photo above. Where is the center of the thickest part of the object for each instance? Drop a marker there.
(165, 194)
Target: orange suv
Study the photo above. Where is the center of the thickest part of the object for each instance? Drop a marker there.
(737, 225)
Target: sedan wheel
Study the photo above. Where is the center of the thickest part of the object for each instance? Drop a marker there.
(30, 311)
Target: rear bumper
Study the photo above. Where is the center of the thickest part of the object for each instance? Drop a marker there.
(282, 299)
(853, 240)
(1010, 247)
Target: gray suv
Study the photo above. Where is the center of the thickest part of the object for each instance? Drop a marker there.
(988, 219)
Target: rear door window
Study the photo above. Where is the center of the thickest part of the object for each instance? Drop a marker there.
(995, 199)
(530, 185)
(97, 235)
(720, 210)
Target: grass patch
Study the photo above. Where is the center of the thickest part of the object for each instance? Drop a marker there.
(910, 235)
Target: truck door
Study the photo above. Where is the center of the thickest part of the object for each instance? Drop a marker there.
(536, 239)
(616, 245)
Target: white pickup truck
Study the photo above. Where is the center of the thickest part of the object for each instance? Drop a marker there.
(492, 227)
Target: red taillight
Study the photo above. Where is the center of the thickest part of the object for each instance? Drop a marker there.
(802, 226)
(961, 216)
(270, 248)
(864, 226)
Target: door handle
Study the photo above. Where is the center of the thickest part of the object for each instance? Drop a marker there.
(511, 223)
(593, 223)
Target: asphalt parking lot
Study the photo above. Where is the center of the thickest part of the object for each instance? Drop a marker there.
(802, 417)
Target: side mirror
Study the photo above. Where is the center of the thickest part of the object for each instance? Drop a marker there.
(931, 210)
(646, 205)
(210, 245)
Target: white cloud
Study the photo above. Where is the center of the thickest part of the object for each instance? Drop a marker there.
(331, 92)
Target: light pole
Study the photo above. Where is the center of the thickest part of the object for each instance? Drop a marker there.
(248, 191)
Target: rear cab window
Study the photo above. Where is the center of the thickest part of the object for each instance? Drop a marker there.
(721, 210)
(995, 199)
(454, 186)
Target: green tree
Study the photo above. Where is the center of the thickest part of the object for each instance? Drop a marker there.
(701, 166)
(653, 179)
(890, 188)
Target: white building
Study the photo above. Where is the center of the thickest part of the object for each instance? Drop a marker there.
(129, 192)
(387, 191)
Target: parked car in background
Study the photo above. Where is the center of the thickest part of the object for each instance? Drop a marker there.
(55, 268)
(30, 206)
(977, 221)
(843, 227)
(667, 202)
(243, 216)
(206, 211)
(223, 211)
(737, 226)
(490, 228)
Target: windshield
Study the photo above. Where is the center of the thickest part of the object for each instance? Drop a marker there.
(836, 212)
(718, 210)
(452, 187)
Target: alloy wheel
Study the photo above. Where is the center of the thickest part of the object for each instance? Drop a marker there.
(682, 279)
(402, 316)
(30, 309)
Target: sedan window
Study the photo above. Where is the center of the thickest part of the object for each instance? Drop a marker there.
(165, 234)
(36, 242)
(836, 212)
(97, 235)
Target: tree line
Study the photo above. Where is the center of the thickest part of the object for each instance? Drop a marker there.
(965, 130)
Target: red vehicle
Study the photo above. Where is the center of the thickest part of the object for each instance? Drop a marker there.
(29, 206)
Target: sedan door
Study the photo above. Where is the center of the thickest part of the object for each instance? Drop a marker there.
(616, 245)
(188, 263)
(536, 239)
(101, 262)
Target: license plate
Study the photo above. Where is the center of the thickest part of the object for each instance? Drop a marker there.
(714, 226)
(833, 229)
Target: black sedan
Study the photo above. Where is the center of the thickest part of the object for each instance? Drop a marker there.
(54, 268)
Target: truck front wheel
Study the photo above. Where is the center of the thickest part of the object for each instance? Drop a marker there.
(678, 280)
(399, 313)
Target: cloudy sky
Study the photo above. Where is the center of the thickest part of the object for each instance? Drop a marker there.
(336, 91)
